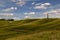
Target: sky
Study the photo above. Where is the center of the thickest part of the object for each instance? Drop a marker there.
(21, 9)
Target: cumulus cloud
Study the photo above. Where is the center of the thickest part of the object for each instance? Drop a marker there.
(26, 17)
(16, 18)
(46, 4)
(33, 3)
(6, 14)
(29, 13)
(38, 4)
(22, 2)
(19, 2)
(11, 9)
(42, 5)
(53, 13)
(25, 0)
(7, 10)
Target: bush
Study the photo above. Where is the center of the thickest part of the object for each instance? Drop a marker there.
(10, 20)
(2, 19)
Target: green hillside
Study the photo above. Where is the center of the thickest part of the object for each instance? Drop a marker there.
(30, 29)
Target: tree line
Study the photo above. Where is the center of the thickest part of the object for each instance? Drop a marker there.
(6, 19)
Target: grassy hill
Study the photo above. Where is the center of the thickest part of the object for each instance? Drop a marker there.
(30, 29)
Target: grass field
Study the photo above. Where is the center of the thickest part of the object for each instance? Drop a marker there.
(30, 29)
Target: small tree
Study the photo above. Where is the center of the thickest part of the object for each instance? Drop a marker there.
(10, 19)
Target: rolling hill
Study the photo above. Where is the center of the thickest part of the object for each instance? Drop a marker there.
(30, 29)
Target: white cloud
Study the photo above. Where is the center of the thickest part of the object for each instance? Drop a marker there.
(32, 13)
(13, 0)
(42, 5)
(11, 9)
(33, 3)
(29, 17)
(29, 13)
(19, 2)
(16, 18)
(26, 17)
(25, 0)
(6, 14)
(38, 4)
(55, 13)
(47, 4)
(7, 10)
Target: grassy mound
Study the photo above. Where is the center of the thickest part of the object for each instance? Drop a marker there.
(30, 29)
(45, 35)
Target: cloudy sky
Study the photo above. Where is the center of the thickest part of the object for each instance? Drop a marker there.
(20, 9)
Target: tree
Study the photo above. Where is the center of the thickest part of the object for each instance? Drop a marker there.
(10, 19)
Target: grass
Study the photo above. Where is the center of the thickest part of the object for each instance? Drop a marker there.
(30, 29)
(45, 35)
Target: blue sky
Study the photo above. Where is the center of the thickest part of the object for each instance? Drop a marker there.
(20, 9)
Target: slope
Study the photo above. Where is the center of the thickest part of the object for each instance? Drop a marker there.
(23, 28)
